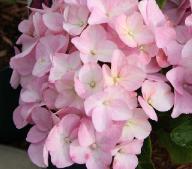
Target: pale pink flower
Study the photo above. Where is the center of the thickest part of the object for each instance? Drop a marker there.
(181, 80)
(62, 64)
(60, 138)
(67, 96)
(111, 104)
(53, 21)
(122, 74)
(89, 80)
(22, 114)
(93, 148)
(104, 11)
(157, 22)
(132, 30)
(156, 95)
(93, 45)
(136, 127)
(125, 154)
(186, 57)
(76, 2)
(44, 121)
(75, 19)
(32, 92)
(46, 48)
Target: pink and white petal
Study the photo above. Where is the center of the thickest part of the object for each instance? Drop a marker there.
(119, 110)
(132, 147)
(99, 159)
(118, 61)
(163, 101)
(86, 133)
(101, 119)
(91, 103)
(79, 154)
(42, 66)
(119, 161)
(164, 35)
(133, 77)
(97, 17)
(182, 104)
(144, 36)
(148, 109)
(58, 148)
(53, 21)
(35, 152)
(141, 128)
(105, 50)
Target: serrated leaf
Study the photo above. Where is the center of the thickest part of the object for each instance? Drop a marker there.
(178, 154)
(182, 135)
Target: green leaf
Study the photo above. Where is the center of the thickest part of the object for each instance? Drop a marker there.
(161, 3)
(182, 134)
(178, 154)
(145, 161)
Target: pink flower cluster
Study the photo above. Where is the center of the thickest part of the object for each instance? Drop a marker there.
(93, 72)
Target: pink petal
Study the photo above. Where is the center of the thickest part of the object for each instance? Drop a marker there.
(86, 133)
(35, 135)
(35, 152)
(147, 108)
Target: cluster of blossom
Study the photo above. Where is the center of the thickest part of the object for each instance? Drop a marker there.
(93, 72)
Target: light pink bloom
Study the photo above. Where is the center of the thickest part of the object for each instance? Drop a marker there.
(93, 148)
(46, 48)
(76, 2)
(146, 52)
(186, 58)
(60, 138)
(151, 13)
(181, 80)
(75, 19)
(53, 21)
(67, 95)
(111, 104)
(125, 154)
(103, 11)
(93, 45)
(132, 30)
(49, 95)
(156, 95)
(62, 64)
(151, 67)
(44, 121)
(136, 127)
(22, 114)
(162, 59)
(20, 62)
(122, 74)
(89, 80)
(32, 92)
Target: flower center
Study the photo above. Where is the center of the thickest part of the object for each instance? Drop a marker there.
(67, 140)
(116, 79)
(92, 84)
(93, 53)
(93, 146)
